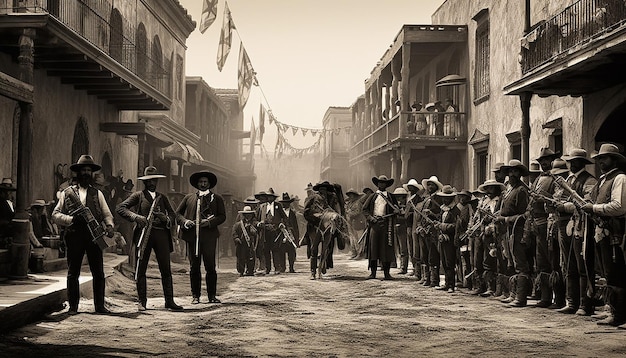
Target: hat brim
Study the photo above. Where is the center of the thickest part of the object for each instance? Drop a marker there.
(389, 182)
(327, 186)
(286, 201)
(418, 187)
(558, 171)
(522, 168)
(153, 176)
(78, 167)
(440, 193)
(246, 212)
(618, 156)
(567, 158)
(425, 183)
(482, 187)
(195, 177)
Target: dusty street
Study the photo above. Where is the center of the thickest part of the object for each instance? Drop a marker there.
(288, 315)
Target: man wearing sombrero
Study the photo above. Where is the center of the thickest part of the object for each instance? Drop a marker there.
(512, 215)
(414, 201)
(78, 238)
(291, 225)
(153, 217)
(447, 232)
(428, 241)
(270, 217)
(245, 236)
(543, 185)
(576, 244)
(199, 215)
(609, 207)
(380, 210)
(7, 210)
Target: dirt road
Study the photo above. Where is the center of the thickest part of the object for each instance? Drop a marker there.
(288, 315)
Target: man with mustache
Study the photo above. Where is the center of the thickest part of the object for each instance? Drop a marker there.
(78, 239)
(150, 204)
(199, 214)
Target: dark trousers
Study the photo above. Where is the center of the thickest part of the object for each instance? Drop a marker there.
(448, 258)
(490, 263)
(614, 270)
(207, 256)
(245, 258)
(272, 251)
(520, 260)
(424, 253)
(543, 262)
(291, 255)
(477, 255)
(404, 246)
(78, 243)
(415, 253)
(579, 270)
(159, 241)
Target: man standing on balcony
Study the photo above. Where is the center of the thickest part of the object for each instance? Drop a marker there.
(451, 121)
(199, 214)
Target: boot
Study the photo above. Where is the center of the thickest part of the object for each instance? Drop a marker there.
(546, 291)
(498, 291)
(558, 288)
(490, 283)
(586, 303)
(426, 275)
(168, 293)
(512, 290)
(572, 296)
(479, 286)
(313, 267)
(615, 299)
(505, 284)
(386, 267)
(373, 268)
(142, 293)
(417, 271)
(434, 276)
(523, 289)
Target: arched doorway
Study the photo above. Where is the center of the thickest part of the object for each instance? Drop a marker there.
(80, 143)
(612, 131)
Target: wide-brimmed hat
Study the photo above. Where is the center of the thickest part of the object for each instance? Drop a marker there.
(324, 184)
(246, 210)
(193, 178)
(490, 182)
(260, 194)
(535, 167)
(85, 161)
(446, 190)
(577, 153)
(464, 192)
(7, 184)
(429, 105)
(271, 192)
(128, 186)
(559, 167)
(497, 167)
(611, 150)
(432, 179)
(38, 202)
(382, 178)
(353, 191)
(547, 153)
(286, 198)
(515, 163)
(251, 200)
(412, 182)
(151, 172)
(400, 191)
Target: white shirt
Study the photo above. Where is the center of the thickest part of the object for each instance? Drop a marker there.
(615, 206)
(63, 219)
(270, 208)
(380, 203)
(203, 193)
(152, 194)
(11, 205)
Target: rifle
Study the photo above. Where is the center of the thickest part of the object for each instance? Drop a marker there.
(248, 239)
(145, 233)
(287, 236)
(96, 231)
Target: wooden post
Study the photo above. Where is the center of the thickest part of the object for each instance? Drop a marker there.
(525, 129)
(20, 248)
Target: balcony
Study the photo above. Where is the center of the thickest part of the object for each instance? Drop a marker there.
(77, 42)
(578, 51)
(446, 129)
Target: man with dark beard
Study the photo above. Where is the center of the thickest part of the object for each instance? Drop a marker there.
(199, 214)
(78, 238)
(513, 207)
(151, 205)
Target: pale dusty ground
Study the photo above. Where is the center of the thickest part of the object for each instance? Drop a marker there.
(288, 315)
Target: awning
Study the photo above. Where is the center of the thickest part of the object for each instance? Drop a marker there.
(182, 151)
(154, 135)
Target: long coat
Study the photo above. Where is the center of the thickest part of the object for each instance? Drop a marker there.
(142, 202)
(187, 211)
(381, 245)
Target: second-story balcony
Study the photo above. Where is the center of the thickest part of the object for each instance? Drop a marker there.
(578, 51)
(414, 130)
(90, 46)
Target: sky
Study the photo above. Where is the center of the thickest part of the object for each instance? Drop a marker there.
(308, 55)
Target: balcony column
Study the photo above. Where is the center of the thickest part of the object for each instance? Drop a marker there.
(394, 166)
(388, 105)
(141, 148)
(377, 101)
(368, 112)
(405, 156)
(20, 249)
(404, 86)
(525, 129)
(395, 81)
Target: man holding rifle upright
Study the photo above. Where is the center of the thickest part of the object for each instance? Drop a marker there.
(153, 216)
(70, 211)
(199, 214)
(609, 196)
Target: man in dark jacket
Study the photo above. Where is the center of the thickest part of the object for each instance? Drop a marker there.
(153, 217)
(289, 244)
(199, 215)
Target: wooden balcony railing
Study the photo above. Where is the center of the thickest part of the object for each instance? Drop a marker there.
(91, 20)
(425, 128)
(576, 25)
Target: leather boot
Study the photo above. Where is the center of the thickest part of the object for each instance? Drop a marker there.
(586, 303)
(506, 286)
(373, 268)
(142, 292)
(313, 267)
(498, 291)
(168, 293)
(615, 299)
(426, 275)
(479, 286)
(417, 271)
(434, 276)
(512, 290)
(546, 291)
(523, 289)
(558, 288)
(489, 283)
(386, 267)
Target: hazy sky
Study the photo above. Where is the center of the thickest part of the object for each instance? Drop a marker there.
(308, 55)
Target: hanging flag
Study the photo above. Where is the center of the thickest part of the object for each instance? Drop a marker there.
(261, 122)
(226, 37)
(252, 137)
(246, 76)
(294, 130)
(209, 14)
(304, 131)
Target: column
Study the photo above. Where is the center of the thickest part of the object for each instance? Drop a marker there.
(405, 156)
(525, 130)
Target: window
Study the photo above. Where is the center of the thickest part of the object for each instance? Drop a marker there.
(481, 166)
(141, 43)
(481, 75)
(117, 36)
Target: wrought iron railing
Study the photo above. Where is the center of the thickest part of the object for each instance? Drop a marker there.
(93, 21)
(419, 126)
(576, 25)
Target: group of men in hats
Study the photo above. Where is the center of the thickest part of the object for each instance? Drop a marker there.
(82, 210)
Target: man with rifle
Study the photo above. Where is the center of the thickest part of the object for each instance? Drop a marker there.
(153, 217)
(609, 208)
(245, 236)
(576, 239)
(427, 214)
(289, 232)
(82, 209)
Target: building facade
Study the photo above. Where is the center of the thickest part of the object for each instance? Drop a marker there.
(335, 145)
